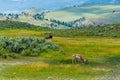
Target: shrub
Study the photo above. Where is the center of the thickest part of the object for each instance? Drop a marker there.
(26, 52)
(25, 46)
(13, 55)
(2, 51)
(5, 55)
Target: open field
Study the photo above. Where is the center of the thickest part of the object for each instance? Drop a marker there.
(103, 54)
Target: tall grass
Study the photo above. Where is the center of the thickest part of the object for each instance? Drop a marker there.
(102, 53)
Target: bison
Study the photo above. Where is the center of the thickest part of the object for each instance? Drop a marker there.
(49, 37)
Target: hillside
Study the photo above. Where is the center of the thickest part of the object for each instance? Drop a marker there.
(19, 25)
(49, 5)
(75, 16)
(99, 14)
(111, 30)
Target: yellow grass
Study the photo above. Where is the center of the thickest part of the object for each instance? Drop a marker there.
(21, 33)
(103, 54)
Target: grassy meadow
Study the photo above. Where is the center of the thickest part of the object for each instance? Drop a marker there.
(103, 54)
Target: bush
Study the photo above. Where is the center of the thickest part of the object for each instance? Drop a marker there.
(25, 46)
(26, 53)
(2, 51)
(13, 55)
(5, 55)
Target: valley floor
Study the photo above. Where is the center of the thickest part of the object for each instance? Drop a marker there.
(103, 55)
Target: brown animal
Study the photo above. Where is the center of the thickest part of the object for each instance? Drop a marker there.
(77, 58)
(49, 37)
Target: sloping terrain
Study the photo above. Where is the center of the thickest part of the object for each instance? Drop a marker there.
(110, 30)
(46, 4)
(92, 13)
(75, 16)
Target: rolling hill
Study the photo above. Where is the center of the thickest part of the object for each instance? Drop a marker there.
(110, 30)
(90, 28)
(92, 13)
(19, 5)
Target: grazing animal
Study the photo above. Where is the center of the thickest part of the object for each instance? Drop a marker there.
(77, 58)
(49, 37)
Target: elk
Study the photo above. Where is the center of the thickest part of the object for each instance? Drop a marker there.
(77, 58)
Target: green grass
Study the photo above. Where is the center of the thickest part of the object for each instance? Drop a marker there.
(102, 53)
(92, 13)
(111, 30)
(30, 20)
(21, 33)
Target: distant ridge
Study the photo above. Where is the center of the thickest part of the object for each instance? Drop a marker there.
(18, 5)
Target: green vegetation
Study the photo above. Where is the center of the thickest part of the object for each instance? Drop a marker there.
(91, 12)
(24, 46)
(75, 16)
(102, 53)
(23, 43)
(111, 30)
(19, 25)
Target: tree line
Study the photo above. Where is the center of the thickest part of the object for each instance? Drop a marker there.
(10, 16)
(55, 23)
